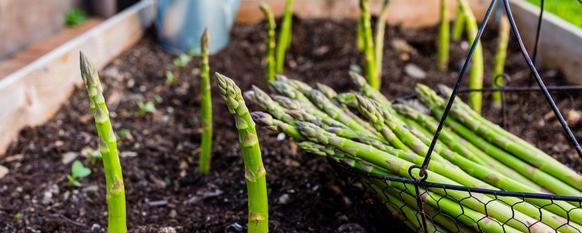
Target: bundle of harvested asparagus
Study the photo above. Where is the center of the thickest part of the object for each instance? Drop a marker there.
(367, 132)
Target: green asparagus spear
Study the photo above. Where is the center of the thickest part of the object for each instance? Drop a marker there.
(499, 62)
(371, 75)
(476, 73)
(284, 36)
(379, 39)
(107, 147)
(506, 140)
(400, 167)
(270, 42)
(460, 145)
(263, 99)
(206, 105)
(255, 174)
(444, 31)
(326, 90)
(457, 30)
(419, 144)
(360, 35)
(276, 125)
(536, 175)
(340, 115)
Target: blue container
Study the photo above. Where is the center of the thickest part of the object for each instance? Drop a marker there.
(180, 24)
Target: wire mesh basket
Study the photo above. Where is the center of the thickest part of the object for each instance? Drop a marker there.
(436, 207)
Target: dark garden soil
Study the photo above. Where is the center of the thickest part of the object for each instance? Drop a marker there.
(159, 156)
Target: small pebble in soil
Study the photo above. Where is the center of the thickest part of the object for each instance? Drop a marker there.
(68, 157)
(3, 171)
(47, 198)
(280, 136)
(173, 213)
(235, 226)
(90, 189)
(284, 199)
(414, 71)
(351, 228)
(464, 45)
(95, 227)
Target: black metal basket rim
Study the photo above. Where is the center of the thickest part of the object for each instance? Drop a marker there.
(425, 184)
(505, 89)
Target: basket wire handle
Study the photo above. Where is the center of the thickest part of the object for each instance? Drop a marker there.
(506, 80)
(456, 88)
(532, 68)
(540, 82)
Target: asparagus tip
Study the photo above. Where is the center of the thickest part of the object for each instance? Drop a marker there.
(280, 77)
(205, 38)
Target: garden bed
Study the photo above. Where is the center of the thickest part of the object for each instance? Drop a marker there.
(164, 189)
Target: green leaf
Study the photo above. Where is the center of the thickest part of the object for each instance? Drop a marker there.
(148, 107)
(170, 78)
(74, 17)
(182, 60)
(123, 132)
(79, 171)
(158, 99)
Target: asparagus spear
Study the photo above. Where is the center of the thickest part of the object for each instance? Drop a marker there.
(447, 212)
(264, 101)
(371, 75)
(276, 125)
(284, 36)
(460, 145)
(368, 90)
(326, 90)
(270, 42)
(457, 30)
(206, 105)
(379, 39)
(419, 144)
(444, 31)
(360, 35)
(400, 167)
(536, 175)
(116, 221)
(505, 140)
(255, 174)
(499, 62)
(340, 115)
(394, 204)
(476, 73)
(378, 122)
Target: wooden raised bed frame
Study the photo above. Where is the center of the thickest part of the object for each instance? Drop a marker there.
(31, 95)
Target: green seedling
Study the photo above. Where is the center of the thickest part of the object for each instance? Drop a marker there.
(77, 171)
(18, 216)
(74, 17)
(158, 99)
(182, 60)
(170, 78)
(94, 156)
(145, 108)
